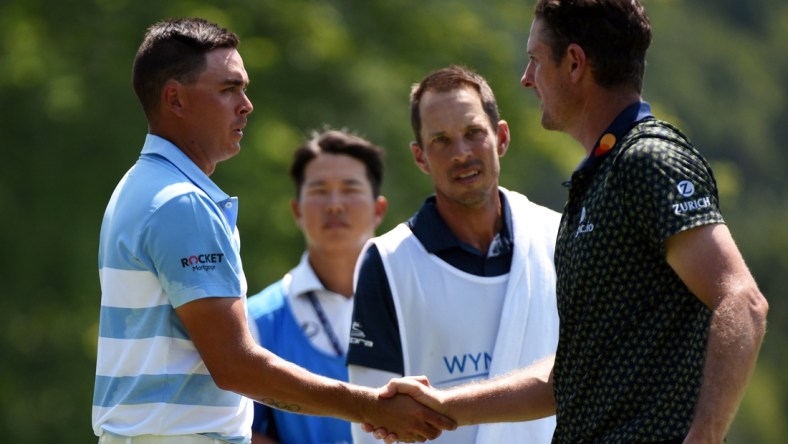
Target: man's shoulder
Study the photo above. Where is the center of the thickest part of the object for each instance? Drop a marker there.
(394, 238)
(155, 183)
(520, 204)
(150, 196)
(652, 135)
(657, 144)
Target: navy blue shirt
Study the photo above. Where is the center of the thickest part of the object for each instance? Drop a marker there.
(373, 301)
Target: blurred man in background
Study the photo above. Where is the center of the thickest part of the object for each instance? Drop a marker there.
(305, 317)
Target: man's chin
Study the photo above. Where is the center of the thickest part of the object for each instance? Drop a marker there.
(471, 199)
(551, 124)
(233, 150)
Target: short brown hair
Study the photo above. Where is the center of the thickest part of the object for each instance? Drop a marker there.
(174, 49)
(614, 34)
(448, 79)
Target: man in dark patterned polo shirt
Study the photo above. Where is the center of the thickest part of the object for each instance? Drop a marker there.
(661, 321)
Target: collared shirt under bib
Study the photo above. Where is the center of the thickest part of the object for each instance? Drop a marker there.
(377, 311)
(453, 325)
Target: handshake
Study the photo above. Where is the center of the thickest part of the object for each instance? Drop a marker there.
(417, 412)
(419, 421)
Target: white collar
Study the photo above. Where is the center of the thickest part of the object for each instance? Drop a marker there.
(302, 279)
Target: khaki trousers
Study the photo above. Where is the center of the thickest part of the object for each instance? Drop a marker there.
(108, 438)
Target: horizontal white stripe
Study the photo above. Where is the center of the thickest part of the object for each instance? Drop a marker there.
(169, 419)
(130, 289)
(152, 356)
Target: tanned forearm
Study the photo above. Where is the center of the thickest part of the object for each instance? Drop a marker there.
(238, 364)
(266, 378)
(709, 263)
(286, 386)
(737, 328)
(522, 395)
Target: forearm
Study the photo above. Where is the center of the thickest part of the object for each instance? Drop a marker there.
(522, 395)
(286, 386)
(266, 378)
(736, 332)
(238, 364)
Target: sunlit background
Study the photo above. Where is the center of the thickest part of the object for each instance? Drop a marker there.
(70, 126)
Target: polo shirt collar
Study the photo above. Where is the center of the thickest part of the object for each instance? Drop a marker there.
(303, 278)
(620, 126)
(431, 230)
(158, 146)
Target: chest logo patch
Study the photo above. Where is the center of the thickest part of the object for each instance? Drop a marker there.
(583, 227)
(358, 337)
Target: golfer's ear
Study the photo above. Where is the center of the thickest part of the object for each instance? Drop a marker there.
(418, 157)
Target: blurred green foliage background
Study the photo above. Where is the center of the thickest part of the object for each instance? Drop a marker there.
(70, 126)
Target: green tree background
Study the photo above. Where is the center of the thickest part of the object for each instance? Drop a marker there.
(70, 126)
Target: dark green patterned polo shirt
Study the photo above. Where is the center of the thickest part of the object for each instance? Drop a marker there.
(632, 337)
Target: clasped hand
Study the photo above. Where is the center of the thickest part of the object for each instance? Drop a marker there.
(419, 389)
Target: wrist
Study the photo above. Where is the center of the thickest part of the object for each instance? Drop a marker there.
(356, 402)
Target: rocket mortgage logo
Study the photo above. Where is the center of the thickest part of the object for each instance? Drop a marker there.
(204, 262)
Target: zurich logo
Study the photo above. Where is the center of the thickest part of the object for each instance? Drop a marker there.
(686, 188)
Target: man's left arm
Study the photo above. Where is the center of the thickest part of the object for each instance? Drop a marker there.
(707, 260)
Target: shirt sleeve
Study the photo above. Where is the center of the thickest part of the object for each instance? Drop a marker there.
(193, 250)
(667, 188)
(374, 336)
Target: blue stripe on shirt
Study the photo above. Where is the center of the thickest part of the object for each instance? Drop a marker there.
(140, 323)
(180, 389)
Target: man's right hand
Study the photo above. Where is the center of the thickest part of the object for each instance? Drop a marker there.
(418, 388)
(405, 419)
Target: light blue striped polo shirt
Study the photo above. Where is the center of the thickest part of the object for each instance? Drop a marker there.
(168, 237)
